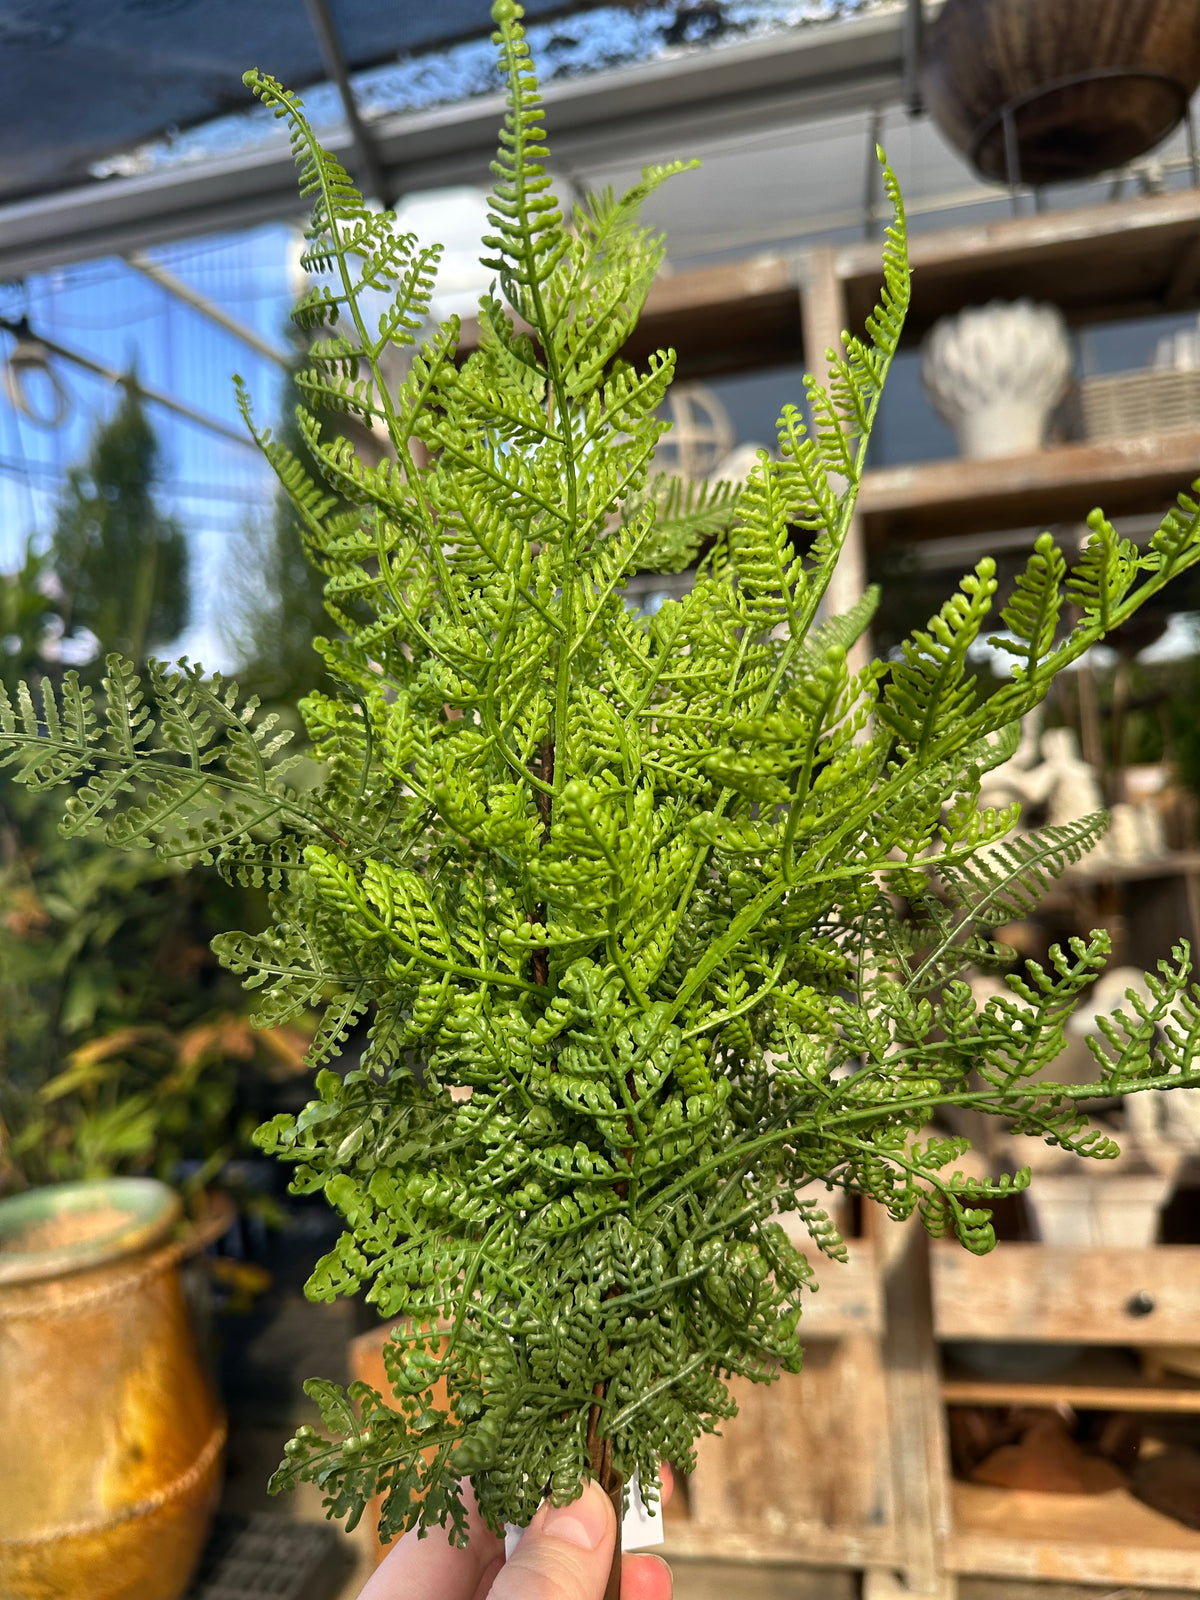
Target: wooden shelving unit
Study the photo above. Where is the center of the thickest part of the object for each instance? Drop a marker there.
(848, 1464)
(1050, 1294)
(1101, 1538)
(1129, 258)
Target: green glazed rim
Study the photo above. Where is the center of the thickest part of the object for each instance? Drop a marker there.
(109, 1218)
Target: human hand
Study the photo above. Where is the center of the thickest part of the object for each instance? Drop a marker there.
(565, 1555)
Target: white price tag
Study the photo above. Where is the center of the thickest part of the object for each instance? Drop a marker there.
(641, 1528)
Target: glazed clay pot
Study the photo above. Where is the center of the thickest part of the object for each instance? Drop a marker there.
(110, 1436)
(981, 55)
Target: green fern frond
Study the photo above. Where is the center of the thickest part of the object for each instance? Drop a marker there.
(530, 239)
(650, 927)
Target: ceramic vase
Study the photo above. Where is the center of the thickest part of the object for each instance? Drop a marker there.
(995, 373)
(110, 1435)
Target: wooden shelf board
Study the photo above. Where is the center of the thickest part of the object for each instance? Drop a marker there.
(1127, 258)
(1102, 1538)
(939, 498)
(1099, 1381)
(1054, 1294)
(738, 317)
(847, 1296)
(810, 1543)
(1168, 866)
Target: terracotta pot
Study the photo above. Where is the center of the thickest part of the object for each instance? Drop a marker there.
(983, 55)
(110, 1435)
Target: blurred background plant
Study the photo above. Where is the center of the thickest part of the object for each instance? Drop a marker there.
(277, 592)
(124, 1047)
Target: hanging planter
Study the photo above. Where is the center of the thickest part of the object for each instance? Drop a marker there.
(1045, 91)
(112, 1437)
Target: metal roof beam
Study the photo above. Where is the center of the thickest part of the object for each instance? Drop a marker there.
(127, 380)
(154, 270)
(610, 119)
(367, 170)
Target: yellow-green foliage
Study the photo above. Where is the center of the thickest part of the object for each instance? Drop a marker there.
(618, 894)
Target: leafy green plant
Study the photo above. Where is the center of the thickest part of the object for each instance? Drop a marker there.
(121, 1049)
(121, 564)
(278, 599)
(658, 923)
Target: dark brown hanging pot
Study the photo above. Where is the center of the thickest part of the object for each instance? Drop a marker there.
(1045, 91)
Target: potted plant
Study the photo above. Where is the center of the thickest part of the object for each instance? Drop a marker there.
(117, 1061)
(121, 1043)
(656, 922)
(113, 1436)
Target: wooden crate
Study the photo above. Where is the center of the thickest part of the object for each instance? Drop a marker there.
(1046, 1294)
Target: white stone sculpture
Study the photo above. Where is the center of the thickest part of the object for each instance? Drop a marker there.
(1077, 1203)
(1135, 834)
(1173, 1117)
(1069, 783)
(1011, 780)
(995, 373)
(1072, 791)
(1069, 789)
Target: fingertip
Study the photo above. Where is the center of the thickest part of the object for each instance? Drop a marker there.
(585, 1522)
(645, 1577)
(488, 1579)
(566, 1550)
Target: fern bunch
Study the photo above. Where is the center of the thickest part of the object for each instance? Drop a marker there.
(657, 925)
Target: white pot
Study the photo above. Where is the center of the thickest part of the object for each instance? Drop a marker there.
(1113, 1210)
(995, 373)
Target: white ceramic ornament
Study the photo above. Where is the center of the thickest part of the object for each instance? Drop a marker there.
(995, 373)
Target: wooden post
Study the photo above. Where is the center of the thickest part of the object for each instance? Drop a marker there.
(916, 1425)
(823, 317)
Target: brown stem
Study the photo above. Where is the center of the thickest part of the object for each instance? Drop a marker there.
(540, 960)
(547, 776)
(599, 1450)
(613, 1488)
(600, 1456)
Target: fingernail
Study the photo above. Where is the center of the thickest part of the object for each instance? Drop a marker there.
(582, 1523)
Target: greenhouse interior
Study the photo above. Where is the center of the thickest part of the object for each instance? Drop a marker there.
(600, 800)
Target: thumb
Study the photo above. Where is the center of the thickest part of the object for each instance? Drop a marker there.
(565, 1554)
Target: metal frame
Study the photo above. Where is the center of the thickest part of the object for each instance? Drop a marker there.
(663, 106)
(370, 176)
(184, 292)
(23, 333)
